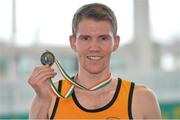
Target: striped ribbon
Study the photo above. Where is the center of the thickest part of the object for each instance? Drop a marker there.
(71, 83)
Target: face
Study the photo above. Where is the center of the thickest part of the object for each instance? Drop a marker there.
(94, 44)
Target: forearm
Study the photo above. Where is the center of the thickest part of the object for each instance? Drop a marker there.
(39, 109)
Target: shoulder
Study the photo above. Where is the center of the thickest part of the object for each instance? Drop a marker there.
(143, 91)
(145, 99)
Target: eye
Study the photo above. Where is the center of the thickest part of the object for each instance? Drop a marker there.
(103, 38)
(86, 38)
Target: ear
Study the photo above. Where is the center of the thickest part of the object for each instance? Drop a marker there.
(72, 41)
(116, 43)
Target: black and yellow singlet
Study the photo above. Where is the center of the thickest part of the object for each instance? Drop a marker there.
(118, 108)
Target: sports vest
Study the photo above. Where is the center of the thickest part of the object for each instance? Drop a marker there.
(119, 106)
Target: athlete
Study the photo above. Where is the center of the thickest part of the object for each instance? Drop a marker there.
(94, 38)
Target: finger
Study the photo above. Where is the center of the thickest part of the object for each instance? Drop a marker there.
(36, 72)
(40, 77)
(44, 80)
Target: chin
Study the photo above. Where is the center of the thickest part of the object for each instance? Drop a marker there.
(94, 70)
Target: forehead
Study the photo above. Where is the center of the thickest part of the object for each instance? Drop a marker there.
(90, 26)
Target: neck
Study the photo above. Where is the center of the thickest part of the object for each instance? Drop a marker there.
(88, 79)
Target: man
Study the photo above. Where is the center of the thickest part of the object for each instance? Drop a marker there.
(94, 39)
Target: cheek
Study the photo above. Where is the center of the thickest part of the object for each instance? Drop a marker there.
(108, 49)
(80, 46)
(80, 52)
(109, 46)
(81, 49)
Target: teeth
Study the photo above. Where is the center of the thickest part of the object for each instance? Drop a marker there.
(94, 57)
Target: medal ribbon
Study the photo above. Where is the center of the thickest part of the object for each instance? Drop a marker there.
(71, 83)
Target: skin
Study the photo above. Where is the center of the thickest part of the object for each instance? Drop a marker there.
(40, 82)
(93, 44)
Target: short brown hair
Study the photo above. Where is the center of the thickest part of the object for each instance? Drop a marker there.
(97, 12)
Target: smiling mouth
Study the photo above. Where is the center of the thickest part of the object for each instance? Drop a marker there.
(95, 58)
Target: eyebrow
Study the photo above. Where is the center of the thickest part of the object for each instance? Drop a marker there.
(105, 35)
(81, 36)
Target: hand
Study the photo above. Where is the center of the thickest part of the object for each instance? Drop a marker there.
(40, 82)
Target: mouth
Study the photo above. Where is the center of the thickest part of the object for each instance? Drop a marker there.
(94, 58)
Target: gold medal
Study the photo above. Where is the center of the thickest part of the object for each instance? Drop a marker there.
(47, 58)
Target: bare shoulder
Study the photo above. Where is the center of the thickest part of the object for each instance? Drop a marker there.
(143, 91)
(146, 101)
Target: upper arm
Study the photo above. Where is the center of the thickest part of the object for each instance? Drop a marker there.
(151, 108)
(147, 102)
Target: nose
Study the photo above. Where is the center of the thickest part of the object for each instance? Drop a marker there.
(94, 46)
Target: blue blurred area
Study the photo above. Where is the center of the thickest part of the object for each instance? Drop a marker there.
(170, 110)
(11, 116)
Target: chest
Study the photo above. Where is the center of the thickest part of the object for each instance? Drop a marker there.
(109, 103)
(94, 100)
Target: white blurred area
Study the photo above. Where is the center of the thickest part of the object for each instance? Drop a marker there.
(149, 52)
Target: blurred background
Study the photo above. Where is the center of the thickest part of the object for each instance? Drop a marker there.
(149, 52)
